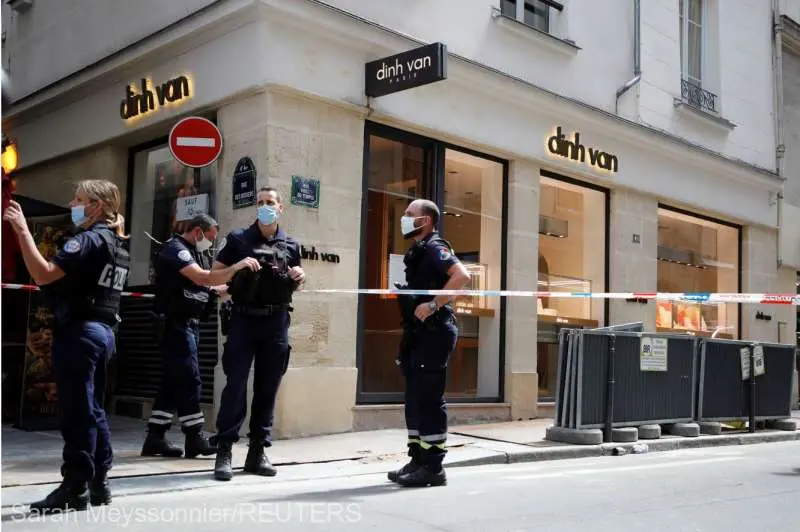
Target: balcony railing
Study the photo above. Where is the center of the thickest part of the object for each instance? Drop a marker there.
(698, 97)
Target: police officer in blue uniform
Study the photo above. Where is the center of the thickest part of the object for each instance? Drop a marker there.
(183, 278)
(429, 338)
(84, 283)
(258, 332)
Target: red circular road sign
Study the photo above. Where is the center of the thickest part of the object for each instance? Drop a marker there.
(195, 142)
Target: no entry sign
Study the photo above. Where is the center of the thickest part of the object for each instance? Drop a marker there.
(195, 142)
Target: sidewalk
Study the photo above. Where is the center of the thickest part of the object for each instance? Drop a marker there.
(34, 458)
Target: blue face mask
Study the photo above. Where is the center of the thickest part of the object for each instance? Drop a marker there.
(79, 215)
(267, 215)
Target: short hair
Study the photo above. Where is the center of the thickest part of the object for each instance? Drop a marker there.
(271, 189)
(429, 208)
(203, 221)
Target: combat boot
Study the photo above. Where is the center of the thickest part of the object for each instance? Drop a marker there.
(156, 444)
(100, 491)
(70, 495)
(257, 462)
(415, 452)
(198, 444)
(223, 468)
(422, 477)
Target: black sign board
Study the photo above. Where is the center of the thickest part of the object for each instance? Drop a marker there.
(244, 183)
(305, 192)
(406, 70)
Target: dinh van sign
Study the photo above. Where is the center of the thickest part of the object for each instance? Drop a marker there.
(149, 98)
(573, 149)
(406, 70)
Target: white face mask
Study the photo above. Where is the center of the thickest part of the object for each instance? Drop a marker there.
(407, 224)
(203, 245)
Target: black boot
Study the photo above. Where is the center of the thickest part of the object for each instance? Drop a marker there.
(223, 468)
(422, 477)
(257, 462)
(198, 444)
(156, 444)
(100, 491)
(415, 452)
(70, 495)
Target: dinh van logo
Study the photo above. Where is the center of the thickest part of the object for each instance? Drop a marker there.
(172, 91)
(407, 70)
(558, 144)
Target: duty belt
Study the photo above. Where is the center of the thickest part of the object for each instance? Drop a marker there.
(267, 310)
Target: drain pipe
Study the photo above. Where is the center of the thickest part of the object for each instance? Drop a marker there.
(637, 53)
(780, 147)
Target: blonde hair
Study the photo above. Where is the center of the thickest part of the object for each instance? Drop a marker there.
(107, 193)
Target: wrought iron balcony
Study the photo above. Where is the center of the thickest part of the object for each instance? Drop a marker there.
(698, 97)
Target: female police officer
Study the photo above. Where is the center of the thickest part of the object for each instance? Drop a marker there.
(84, 282)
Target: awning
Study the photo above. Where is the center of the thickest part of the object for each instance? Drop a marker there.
(33, 208)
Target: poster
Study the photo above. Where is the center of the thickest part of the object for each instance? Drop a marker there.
(653, 354)
(39, 402)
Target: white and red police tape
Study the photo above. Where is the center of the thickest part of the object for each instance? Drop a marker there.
(692, 297)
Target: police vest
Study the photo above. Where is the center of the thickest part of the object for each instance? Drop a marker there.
(73, 300)
(176, 294)
(417, 276)
(269, 286)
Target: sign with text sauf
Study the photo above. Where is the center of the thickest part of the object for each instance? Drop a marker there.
(407, 70)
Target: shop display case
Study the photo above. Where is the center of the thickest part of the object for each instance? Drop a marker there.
(475, 305)
(701, 319)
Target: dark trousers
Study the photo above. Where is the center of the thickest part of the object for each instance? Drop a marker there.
(426, 380)
(80, 354)
(181, 383)
(263, 344)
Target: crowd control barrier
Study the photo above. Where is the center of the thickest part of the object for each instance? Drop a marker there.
(745, 381)
(620, 379)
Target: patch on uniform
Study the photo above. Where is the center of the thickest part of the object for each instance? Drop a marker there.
(73, 245)
(444, 254)
(184, 255)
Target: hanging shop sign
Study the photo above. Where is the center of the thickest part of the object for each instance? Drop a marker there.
(244, 183)
(149, 97)
(559, 145)
(406, 70)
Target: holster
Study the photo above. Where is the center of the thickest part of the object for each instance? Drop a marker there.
(225, 310)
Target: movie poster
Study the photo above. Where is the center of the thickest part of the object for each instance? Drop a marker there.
(39, 404)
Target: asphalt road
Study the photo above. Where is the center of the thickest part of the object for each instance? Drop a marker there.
(728, 489)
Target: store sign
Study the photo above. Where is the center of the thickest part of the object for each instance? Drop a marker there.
(559, 145)
(313, 254)
(406, 70)
(305, 192)
(244, 183)
(150, 98)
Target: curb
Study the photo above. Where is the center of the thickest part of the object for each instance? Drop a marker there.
(568, 452)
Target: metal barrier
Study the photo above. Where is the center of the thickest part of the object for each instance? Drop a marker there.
(619, 376)
(745, 381)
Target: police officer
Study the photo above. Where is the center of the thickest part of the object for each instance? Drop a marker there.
(430, 335)
(83, 282)
(182, 296)
(258, 330)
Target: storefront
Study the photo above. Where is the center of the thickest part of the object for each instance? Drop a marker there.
(536, 192)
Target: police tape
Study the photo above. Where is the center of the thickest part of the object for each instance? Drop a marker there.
(690, 297)
(34, 288)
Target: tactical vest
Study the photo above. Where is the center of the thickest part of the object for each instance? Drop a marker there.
(269, 286)
(176, 294)
(100, 301)
(419, 278)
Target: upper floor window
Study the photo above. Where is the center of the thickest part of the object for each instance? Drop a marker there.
(691, 22)
(534, 13)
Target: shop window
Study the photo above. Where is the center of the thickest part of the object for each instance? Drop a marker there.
(401, 168)
(166, 195)
(572, 258)
(697, 255)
